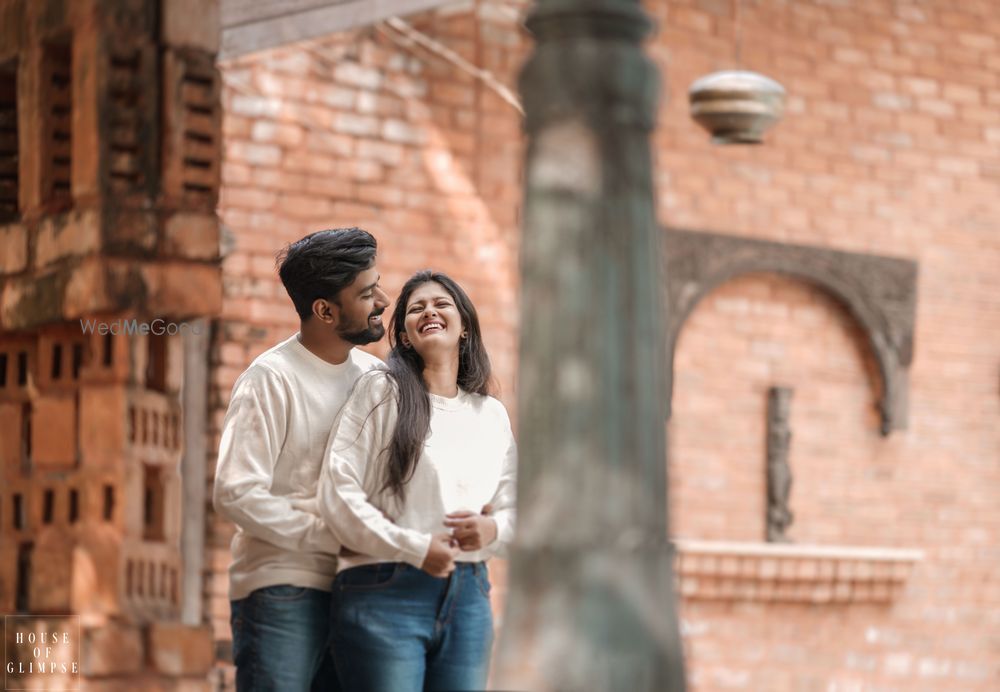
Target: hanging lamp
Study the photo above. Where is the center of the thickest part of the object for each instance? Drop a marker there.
(736, 106)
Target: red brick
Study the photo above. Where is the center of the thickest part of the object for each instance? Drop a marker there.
(104, 425)
(74, 233)
(192, 236)
(235, 127)
(334, 96)
(54, 442)
(235, 173)
(13, 248)
(253, 106)
(180, 650)
(938, 108)
(184, 289)
(10, 440)
(341, 145)
(304, 206)
(248, 198)
(308, 162)
(353, 74)
(331, 186)
(389, 154)
(254, 154)
(279, 179)
(279, 133)
(686, 18)
(351, 124)
(381, 195)
(112, 649)
(290, 61)
(452, 94)
(360, 170)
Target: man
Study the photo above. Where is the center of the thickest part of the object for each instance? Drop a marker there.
(273, 442)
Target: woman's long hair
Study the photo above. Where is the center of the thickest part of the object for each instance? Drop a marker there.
(406, 369)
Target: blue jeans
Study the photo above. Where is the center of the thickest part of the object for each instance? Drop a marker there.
(395, 628)
(280, 640)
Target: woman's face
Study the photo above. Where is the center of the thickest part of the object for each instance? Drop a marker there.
(433, 324)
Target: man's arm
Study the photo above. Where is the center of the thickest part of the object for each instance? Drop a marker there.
(252, 435)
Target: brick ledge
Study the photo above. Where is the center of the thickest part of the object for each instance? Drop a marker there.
(785, 572)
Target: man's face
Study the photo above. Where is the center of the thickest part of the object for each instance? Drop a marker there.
(361, 306)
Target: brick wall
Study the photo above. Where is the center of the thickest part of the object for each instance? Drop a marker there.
(888, 146)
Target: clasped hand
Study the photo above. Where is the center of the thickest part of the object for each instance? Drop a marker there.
(469, 532)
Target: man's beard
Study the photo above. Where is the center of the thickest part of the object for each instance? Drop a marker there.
(360, 337)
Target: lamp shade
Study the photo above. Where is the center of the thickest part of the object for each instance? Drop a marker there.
(736, 106)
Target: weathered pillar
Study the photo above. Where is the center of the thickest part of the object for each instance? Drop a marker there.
(194, 404)
(591, 604)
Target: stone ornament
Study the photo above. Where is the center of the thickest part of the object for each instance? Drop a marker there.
(779, 473)
(880, 293)
(736, 106)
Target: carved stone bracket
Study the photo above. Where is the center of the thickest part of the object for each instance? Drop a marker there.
(879, 292)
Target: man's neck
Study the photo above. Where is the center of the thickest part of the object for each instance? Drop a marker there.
(332, 350)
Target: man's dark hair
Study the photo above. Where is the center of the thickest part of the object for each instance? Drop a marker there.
(323, 263)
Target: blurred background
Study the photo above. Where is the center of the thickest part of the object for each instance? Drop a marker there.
(155, 156)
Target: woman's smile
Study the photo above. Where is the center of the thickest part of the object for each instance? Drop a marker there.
(432, 326)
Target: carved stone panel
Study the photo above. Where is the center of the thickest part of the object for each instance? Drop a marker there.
(779, 473)
(879, 292)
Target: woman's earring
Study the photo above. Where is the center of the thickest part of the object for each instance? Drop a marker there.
(465, 335)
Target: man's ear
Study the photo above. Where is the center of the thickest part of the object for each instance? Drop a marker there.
(326, 311)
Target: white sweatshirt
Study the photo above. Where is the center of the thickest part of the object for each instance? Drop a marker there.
(469, 460)
(273, 439)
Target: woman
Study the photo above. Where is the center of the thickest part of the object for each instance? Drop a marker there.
(417, 450)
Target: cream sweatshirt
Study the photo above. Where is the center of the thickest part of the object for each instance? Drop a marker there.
(469, 460)
(274, 437)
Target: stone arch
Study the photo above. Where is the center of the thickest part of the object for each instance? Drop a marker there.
(879, 292)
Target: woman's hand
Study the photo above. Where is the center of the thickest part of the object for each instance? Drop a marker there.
(472, 531)
(440, 560)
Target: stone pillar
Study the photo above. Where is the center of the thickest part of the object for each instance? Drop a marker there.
(591, 605)
(194, 490)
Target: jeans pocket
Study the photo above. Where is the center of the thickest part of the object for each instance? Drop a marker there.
(482, 577)
(282, 592)
(370, 577)
(236, 614)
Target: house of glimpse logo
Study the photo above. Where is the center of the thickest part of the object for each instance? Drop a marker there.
(41, 652)
(157, 327)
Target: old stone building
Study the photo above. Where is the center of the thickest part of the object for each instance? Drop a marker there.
(849, 262)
